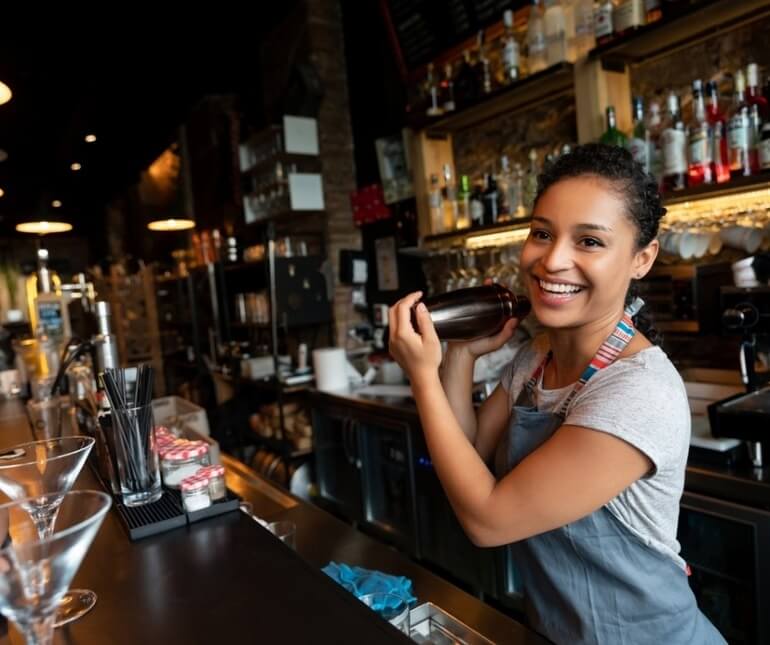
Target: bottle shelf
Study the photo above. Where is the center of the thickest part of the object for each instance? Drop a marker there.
(304, 163)
(735, 186)
(704, 20)
(549, 83)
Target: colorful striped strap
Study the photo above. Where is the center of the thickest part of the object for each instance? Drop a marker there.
(611, 348)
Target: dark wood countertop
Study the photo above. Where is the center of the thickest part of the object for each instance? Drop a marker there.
(226, 579)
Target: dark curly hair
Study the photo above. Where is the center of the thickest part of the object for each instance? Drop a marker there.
(628, 180)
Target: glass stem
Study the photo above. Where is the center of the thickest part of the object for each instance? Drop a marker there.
(39, 631)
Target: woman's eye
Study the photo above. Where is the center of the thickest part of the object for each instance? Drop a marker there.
(591, 242)
(539, 234)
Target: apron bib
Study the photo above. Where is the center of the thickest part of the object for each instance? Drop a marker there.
(593, 580)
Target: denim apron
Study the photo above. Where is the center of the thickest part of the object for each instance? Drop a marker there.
(593, 580)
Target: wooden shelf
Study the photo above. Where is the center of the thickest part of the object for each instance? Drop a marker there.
(704, 20)
(521, 95)
(439, 244)
(735, 186)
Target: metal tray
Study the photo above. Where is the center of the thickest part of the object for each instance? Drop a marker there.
(431, 624)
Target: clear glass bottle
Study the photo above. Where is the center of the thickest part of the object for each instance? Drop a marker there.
(674, 147)
(699, 169)
(639, 141)
(536, 43)
(555, 33)
(627, 16)
(654, 130)
(510, 51)
(583, 18)
(449, 200)
(435, 206)
(603, 28)
(530, 181)
(504, 182)
(477, 204)
(739, 131)
(432, 92)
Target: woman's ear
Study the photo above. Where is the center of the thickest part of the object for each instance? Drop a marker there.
(644, 259)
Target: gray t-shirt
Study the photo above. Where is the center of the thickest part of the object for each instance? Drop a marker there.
(642, 400)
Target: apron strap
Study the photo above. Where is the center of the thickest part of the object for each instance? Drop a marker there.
(611, 348)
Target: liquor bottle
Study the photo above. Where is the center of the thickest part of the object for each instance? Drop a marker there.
(449, 200)
(555, 33)
(435, 206)
(653, 11)
(465, 84)
(505, 181)
(473, 312)
(510, 51)
(739, 131)
(700, 167)
(720, 160)
(674, 148)
(491, 199)
(763, 152)
(463, 203)
(639, 142)
(603, 22)
(755, 134)
(447, 90)
(432, 90)
(536, 44)
(753, 92)
(654, 130)
(530, 182)
(516, 193)
(583, 17)
(483, 68)
(627, 16)
(612, 136)
(477, 204)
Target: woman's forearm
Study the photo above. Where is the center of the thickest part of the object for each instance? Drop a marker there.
(457, 381)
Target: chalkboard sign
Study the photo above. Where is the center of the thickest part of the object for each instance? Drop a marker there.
(424, 29)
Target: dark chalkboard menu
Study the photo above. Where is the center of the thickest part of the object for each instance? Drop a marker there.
(425, 28)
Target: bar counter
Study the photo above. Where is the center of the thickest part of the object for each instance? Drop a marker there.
(741, 483)
(226, 579)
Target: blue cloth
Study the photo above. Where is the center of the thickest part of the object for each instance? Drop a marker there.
(360, 581)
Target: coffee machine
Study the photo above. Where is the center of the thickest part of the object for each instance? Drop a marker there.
(746, 416)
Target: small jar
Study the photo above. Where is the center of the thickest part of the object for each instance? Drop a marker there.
(216, 476)
(195, 493)
(181, 461)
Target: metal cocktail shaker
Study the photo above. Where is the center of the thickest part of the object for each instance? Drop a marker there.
(474, 312)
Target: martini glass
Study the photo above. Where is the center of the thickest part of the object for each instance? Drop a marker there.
(41, 473)
(35, 571)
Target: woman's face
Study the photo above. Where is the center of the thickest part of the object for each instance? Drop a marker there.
(581, 254)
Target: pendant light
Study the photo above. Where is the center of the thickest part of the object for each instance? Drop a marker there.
(171, 224)
(48, 219)
(5, 93)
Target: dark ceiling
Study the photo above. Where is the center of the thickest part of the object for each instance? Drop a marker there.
(131, 91)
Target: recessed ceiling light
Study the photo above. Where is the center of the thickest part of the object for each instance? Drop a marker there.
(90, 138)
(2, 192)
(5, 93)
(56, 203)
(3, 155)
(75, 166)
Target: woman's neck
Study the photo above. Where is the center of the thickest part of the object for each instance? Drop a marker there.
(573, 349)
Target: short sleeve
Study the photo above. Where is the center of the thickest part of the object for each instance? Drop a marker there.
(644, 402)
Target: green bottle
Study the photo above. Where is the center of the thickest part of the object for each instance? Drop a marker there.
(463, 203)
(612, 136)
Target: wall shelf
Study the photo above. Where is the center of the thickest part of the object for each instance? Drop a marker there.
(704, 20)
(735, 186)
(521, 95)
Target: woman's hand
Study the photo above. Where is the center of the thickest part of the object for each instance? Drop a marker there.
(481, 346)
(419, 355)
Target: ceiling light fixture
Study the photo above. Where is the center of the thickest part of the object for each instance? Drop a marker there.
(3, 155)
(43, 228)
(2, 192)
(75, 166)
(56, 203)
(90, 138)
(5, 93)
(171, 224)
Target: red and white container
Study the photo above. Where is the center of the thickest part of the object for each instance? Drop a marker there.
(195, 493)
(216, 477)
(180, 461)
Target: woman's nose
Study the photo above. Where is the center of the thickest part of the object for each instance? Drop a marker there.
(557, 257)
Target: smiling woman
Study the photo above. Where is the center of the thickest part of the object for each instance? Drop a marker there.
(577, 458)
